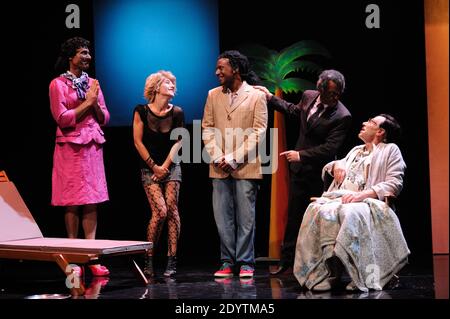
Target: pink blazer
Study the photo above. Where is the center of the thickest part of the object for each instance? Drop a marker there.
(63, 101)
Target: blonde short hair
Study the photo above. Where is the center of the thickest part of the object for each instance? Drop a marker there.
(153, 82)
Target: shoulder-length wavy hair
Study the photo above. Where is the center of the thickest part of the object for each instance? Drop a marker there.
(153, 82)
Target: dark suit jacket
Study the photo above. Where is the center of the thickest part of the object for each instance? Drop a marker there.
(319, 143)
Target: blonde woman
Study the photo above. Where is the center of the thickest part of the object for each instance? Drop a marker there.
(161, 176)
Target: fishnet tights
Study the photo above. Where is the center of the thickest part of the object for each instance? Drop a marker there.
(163, 199)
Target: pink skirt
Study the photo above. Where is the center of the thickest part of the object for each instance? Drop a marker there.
(78, 176)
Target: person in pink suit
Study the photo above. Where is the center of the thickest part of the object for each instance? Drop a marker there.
(78, 107)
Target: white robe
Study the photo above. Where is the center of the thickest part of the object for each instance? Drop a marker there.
(365, 236)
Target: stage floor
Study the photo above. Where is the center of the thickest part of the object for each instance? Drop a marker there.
(20, 280)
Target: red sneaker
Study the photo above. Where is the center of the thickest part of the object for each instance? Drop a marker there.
(99, 270)
(246, 271)
(224, 271)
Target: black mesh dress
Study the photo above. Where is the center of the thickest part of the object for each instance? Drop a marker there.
(156, 137)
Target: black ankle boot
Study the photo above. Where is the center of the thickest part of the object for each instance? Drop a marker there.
(171, 266)
(148, 268)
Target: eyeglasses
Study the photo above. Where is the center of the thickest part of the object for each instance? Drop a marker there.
(372, 122)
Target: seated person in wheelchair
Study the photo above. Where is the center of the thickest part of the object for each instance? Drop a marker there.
(350, 227)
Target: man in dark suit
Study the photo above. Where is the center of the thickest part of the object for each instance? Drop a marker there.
(324, 122)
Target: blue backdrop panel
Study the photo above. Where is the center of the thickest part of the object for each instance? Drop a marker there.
(134, 38)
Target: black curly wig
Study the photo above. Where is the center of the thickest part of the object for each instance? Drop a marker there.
(68, 50)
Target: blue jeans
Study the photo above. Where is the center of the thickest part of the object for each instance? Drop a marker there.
(234, 203)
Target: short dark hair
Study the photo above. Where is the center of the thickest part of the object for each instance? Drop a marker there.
(391, 128)
(68, 50)
(240, 62)
(335, 76)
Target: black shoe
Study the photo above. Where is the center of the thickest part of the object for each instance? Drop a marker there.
(282, 267)
(171, 266)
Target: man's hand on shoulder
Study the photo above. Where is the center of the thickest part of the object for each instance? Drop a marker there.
(264, 90)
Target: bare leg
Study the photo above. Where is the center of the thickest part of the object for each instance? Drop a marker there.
(89, 221)
(72, 221)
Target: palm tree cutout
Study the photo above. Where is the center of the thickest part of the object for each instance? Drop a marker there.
(274, 68)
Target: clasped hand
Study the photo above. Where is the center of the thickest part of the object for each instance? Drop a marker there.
(159, 173)
(223, 164)
(92, 93)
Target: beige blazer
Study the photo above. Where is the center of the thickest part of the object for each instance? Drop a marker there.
(235, 129)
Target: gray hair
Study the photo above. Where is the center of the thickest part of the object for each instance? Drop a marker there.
(335, 76)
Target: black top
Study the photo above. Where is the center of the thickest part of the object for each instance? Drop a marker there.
(156, 135)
